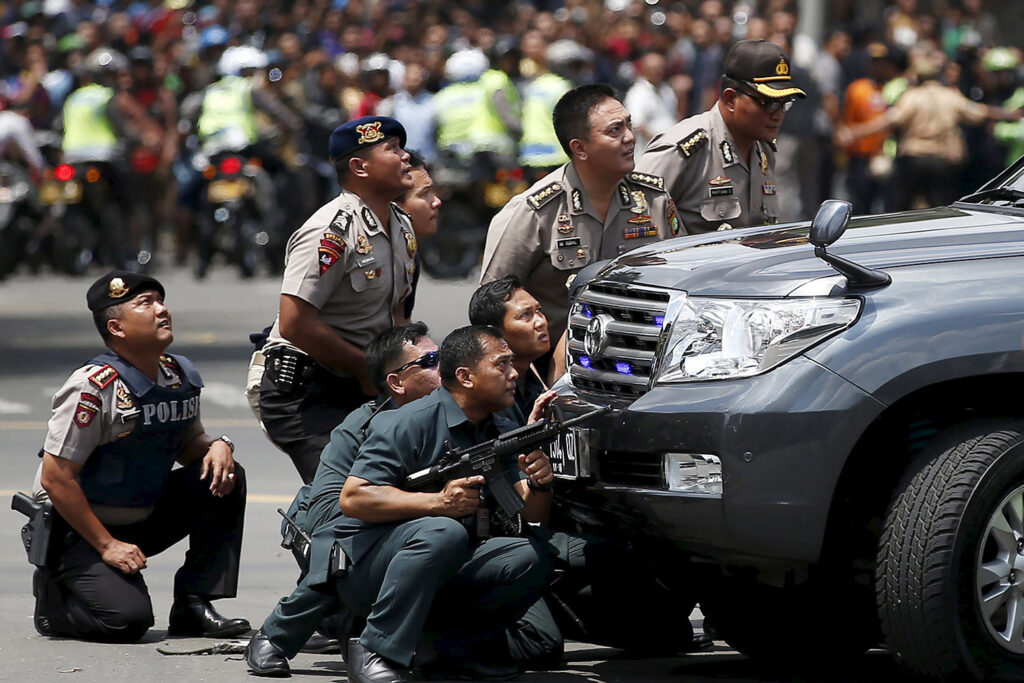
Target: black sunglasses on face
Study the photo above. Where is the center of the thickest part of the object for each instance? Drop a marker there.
(769, 106)
(427, 360)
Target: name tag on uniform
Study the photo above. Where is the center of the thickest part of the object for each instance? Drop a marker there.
(568, 242)
(365, 261)
(720, 191)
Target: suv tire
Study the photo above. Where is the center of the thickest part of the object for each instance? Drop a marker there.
(953, 537)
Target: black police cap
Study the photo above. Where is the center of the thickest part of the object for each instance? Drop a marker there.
(762, 65)
(119, 286)
(359, 134)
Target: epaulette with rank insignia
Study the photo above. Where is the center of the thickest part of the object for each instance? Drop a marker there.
(544, 195)
(653, 181)
(698, 138)
(104, 376)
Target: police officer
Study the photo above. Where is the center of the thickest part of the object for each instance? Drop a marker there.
(592, 208)
(719, 166)
(403, 363)
(347, 272)
(413, 570)
(118, 425)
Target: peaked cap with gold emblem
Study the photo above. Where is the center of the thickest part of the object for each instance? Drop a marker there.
(119, 286)
(763, 66)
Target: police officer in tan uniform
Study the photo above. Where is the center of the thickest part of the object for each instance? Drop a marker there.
(347, 272)
(119, 424)
(719, 166)
(595, 207)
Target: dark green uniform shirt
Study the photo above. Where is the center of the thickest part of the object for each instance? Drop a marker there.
(335, 463)
(406, 440)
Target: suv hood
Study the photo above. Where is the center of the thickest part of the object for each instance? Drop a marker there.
(775, 260)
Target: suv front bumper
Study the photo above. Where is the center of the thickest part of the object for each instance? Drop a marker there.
(782, 438)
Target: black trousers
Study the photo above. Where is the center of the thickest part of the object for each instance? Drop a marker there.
(89, 599)
(933, 178)
(300, 421)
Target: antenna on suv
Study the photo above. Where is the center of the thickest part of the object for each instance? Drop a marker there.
(828, 225)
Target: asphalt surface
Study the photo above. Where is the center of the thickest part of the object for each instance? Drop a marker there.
(46, 331)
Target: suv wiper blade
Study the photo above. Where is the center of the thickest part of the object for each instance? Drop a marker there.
(1007, 193)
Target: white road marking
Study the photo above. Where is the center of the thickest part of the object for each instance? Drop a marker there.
(14, 408)
(224, 395)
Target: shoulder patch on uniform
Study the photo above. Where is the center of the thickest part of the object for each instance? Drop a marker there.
(653, 181)
(104, 376)
(544, 195)
(696, 139)
(88, 406)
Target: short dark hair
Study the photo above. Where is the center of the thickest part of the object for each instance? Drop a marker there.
(384, 353)
(571, 116)
(729, 83)
(487, 305)
(464, 348)
(416, 160)
(102, 316)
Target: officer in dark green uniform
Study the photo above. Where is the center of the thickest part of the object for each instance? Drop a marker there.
(413, 570)
(403, 363)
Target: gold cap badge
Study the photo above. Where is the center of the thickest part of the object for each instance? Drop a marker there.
(782, 69)
(369, 132)
(117, 288)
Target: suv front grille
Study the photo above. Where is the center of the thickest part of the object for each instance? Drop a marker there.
(613, 336)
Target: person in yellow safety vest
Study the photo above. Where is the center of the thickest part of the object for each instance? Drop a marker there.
(1002, 65)
(467, 121)
(91, 122)
(539, 149)
(227, 116)
(499, 84)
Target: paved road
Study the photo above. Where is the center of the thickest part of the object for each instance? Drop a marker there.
(45, 331)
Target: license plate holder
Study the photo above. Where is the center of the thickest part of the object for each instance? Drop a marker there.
(569, 454)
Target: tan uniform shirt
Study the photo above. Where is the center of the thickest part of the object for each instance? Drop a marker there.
(712, 186)
(551, 231)
(929, 117)
(342, 262)
(90, 411)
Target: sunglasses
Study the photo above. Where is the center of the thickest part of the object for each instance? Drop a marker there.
(769, 106)
(427, 360)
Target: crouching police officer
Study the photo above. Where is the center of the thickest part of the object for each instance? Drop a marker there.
(119, 423)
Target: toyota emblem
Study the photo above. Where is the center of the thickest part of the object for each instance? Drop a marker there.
(594, 341)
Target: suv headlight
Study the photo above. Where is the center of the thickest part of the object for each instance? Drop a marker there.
(727, 338)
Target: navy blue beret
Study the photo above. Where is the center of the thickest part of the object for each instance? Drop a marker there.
(119, 286)
(362, 133)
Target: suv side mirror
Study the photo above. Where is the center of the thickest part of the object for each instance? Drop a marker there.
(828, 225)
(830, 222)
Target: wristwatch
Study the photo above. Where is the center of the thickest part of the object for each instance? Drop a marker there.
(539, 488)
(229, 442)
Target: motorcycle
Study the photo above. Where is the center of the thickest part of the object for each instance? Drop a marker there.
(231, 217)
(82, 199)
(472, 191)
(19, 211)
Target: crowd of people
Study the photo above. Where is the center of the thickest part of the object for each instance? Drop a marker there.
(470, 78)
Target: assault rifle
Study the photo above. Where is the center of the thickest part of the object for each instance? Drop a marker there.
(490, 459)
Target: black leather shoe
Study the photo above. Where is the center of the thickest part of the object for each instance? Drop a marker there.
(40, 588)
(192, 615)
(365, 666)
(319, 644)
(264, 659)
